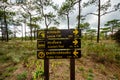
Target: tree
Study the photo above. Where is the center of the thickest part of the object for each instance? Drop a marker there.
(5, 16)
(102, 10)
(28, 7)
(53, 28)
(84, 26)
(67, 8)
(48, 17)
(105, 31)
(25, 16)
(4, 6)
(35, 27)
(91, 33)
(114, 24)
(16, 23)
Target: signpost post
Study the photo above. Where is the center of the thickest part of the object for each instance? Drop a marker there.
(59, 44)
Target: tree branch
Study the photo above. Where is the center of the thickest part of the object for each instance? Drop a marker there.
(39, 4)
(90, 14)
(75, 3)
(103, 13)
(25, 10)
(49, 23)
(109, 12)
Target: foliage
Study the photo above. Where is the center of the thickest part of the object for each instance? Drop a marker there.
(105, 31)
(103, 8)
(38, 72)
(84, 26)
(117, 36)
(48, 17)
(33, 25)
(91, 34)
(53, 28)
(114, 24)
(66, 8)
(102, 52)
(20, 1)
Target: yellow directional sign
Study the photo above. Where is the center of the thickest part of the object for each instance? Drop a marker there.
(75, 42)
(75, 31)
(41, 34)
(41, 55)
(59, 44)
(75, 53)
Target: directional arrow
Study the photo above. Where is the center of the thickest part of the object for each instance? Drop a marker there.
(75, 53)
(75, 31)
(41, 34)
(75, 42)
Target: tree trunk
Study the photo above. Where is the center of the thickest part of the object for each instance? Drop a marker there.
(112, 29)
(14, 32)
(34, 33)
(68, 21)
(25, 29)
(46, 22)
(98, 34)
(79, 14)
(30, 28)
(5, 23)
(22, 32)
(106, 35)
(1, 32)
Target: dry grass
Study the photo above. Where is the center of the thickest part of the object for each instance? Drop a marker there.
(100, 61)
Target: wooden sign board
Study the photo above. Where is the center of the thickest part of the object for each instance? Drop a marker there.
(59, 44)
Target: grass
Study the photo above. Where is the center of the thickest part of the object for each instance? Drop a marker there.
(19, 59)
(22, 76)
(39, 71)
(102, 51)
(81, 69)
(14, 53)
(11, 69)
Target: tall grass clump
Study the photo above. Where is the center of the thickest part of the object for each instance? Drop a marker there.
(103, 51)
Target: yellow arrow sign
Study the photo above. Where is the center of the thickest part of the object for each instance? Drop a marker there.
(75, 42)
(75, 53)
(75, 31)
(41, 34)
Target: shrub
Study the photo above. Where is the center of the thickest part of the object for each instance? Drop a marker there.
(117, 37)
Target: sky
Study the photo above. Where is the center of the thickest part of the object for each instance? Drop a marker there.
(91, 19)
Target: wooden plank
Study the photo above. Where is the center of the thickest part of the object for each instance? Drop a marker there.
(46, 63)
(72, 69)
(46, 69)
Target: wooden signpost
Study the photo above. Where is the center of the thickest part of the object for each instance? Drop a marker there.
(59, 44)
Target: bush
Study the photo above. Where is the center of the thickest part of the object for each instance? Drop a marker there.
(117, 37)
